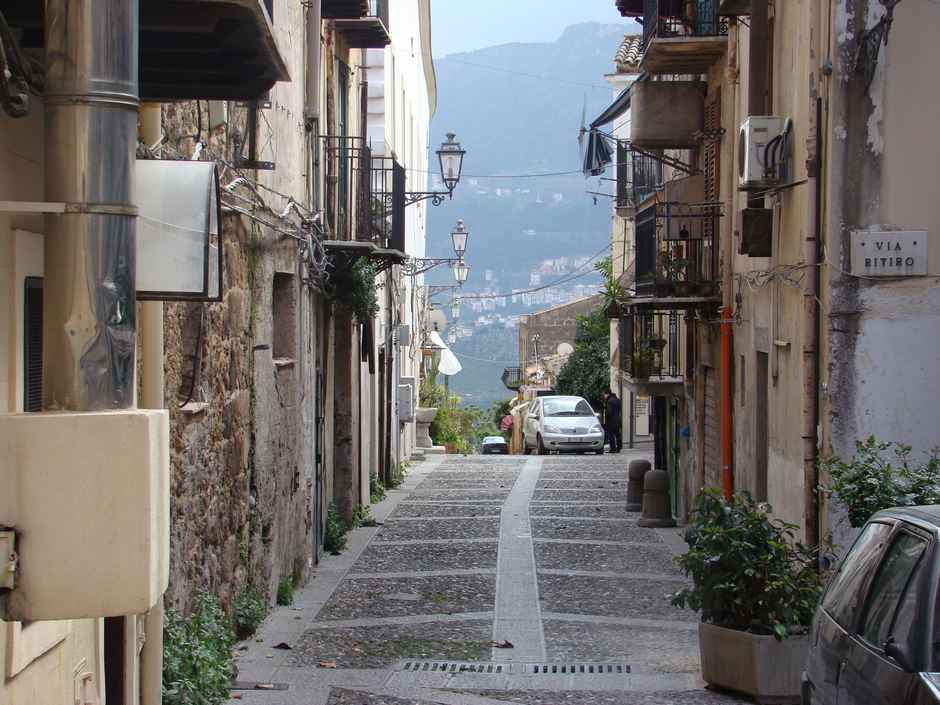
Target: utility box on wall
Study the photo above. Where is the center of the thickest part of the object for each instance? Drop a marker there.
(757, 228)
(87, 495)
(406, 399)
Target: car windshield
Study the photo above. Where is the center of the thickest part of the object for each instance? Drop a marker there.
(494, 439)
(572, 406)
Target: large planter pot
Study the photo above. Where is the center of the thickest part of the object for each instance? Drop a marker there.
(423, 420)
(760, 666)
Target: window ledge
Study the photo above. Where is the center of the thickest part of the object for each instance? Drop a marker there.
(194, 407)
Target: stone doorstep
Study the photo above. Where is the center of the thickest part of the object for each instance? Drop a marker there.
(435, 450)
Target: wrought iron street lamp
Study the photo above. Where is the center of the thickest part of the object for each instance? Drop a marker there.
(461, 271)
(459, 236)
(451, 156)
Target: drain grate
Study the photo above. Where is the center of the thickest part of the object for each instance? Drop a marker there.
(586, 668)
(453, 667)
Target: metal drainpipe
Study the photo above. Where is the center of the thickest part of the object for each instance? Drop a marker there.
(91, 103)
(727, 289)
(152, 397)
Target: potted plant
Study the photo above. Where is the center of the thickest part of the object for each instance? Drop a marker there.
(613, 291)
(643, 362)
(756, 588)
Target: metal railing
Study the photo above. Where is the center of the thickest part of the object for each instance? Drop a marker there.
(650, 344)
(676, 253)
(682, 18)
(512, 378)
(365, 194)
(647, 176)
(379, 8)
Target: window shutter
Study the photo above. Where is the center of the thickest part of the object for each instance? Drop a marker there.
(32, 345)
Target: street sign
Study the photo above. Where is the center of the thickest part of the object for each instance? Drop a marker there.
(901, 253)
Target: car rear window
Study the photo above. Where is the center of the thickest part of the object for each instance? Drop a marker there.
(843, 599)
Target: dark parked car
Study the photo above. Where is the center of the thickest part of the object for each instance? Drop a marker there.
(875, 639)
(495, 445)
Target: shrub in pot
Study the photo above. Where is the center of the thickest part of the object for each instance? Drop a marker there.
(756, 588)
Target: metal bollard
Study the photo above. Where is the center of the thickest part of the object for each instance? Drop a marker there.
(635, 473)
(656, 510)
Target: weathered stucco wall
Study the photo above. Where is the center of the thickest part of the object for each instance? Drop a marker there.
(883, 336)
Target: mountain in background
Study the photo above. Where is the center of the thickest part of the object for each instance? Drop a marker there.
(513, 123)
(517, 109)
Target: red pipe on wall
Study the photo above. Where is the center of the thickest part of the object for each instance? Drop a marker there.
(727, 460)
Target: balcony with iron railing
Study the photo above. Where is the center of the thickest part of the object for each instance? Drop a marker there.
(365, 194)
(679, 36)
(651, 350)
(677, 254)
(512, 378)
(363, 24)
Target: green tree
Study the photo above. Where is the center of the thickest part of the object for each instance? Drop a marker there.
(587, 372)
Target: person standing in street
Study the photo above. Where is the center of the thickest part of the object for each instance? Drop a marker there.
(613, 421)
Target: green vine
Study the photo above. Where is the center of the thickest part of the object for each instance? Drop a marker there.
(356, 289)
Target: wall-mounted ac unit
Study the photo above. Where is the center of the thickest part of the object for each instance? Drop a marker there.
(764, 152)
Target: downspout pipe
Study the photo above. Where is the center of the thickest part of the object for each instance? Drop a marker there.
(314, 51)
(811, 337)
(89, 301)
(727, 289)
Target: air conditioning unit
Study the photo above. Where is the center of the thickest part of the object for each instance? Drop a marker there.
(764, 152)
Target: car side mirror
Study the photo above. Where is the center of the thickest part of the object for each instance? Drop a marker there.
(900, 653)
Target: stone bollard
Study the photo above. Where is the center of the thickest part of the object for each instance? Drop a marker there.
(656, 511)
(635, 473)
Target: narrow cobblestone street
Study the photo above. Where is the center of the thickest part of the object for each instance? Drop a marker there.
(475, 552)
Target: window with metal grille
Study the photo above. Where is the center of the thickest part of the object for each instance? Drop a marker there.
(32, 344)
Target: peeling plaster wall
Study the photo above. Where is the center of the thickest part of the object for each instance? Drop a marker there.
(243, 450)
(883, 336)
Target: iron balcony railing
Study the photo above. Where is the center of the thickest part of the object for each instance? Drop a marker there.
(647, 176)
(379, 8)
(651, 344)
(639, 175)
(365, 194)
(512, 378)
(676, 253)
(666, 19)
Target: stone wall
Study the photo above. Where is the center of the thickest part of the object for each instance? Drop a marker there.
(553, 326)
(240, 424)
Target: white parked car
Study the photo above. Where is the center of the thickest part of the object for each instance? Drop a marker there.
(564, 425)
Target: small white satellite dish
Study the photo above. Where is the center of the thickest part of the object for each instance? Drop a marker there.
(564, 349)
(437, 321)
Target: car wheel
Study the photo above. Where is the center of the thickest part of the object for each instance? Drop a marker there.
(541, 446)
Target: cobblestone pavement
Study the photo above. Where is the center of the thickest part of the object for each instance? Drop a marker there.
(499, 563)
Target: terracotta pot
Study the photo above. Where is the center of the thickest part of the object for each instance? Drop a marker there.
(760, 666)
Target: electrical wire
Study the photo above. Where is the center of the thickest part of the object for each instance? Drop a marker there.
(558, 282)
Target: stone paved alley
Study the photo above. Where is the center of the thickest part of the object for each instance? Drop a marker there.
(474, 551)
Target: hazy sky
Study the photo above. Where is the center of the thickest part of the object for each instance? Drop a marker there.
(458, 25)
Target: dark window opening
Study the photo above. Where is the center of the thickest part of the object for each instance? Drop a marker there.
(284, 304)
(32, 344)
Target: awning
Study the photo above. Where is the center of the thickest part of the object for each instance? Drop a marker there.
(449, 364)
(598, 154)
(613, 111)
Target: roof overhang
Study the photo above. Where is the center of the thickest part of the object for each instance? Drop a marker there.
(190, 49)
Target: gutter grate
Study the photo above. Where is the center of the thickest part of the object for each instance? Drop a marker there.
(586, 668)
(413, 666)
